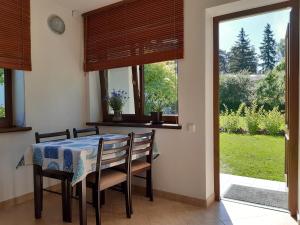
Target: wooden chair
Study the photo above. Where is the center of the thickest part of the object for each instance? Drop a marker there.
(64, 177)
(143, 143)
(117, 152)
(85, 132)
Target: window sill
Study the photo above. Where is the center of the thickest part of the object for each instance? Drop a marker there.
(14, 129)
(143, 125)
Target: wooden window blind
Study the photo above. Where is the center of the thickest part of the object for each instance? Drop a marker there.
(15, 47)
(133, 32)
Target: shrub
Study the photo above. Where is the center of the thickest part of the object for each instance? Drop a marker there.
(231, 119)
(235, 90)
(160, 83)
(281, 66)
(1, 76)
(2, 112)
(273, 121)
(253, 117)
(270, 90)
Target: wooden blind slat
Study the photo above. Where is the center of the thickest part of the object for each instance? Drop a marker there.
(15, 43)
(133, 32)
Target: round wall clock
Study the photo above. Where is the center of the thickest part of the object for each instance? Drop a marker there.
(56, 24)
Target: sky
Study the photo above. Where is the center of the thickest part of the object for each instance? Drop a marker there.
(254, 27)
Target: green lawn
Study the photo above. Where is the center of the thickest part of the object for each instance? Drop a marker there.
(257, 156)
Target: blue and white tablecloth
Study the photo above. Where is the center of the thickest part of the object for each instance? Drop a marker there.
(77, 156)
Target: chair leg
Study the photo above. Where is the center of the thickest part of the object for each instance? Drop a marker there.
(97, 209)
(42, 193)
(130, 199)
(102, 202)
(95, 196)
(126, 189)
(149, 184)
(77, 190)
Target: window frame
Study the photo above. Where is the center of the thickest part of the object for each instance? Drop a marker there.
(139, 99)
(7, 121)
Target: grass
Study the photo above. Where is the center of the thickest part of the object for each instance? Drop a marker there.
(257, 156)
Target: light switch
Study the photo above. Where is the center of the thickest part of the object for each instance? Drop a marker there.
(191, 127)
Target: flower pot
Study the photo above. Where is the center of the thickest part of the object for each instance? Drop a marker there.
(117, 116)
(156, 117)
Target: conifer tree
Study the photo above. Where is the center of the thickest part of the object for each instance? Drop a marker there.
(223, 61)
(268, 50)
(242, 56)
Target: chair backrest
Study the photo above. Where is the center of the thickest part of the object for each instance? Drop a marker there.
(116, 152)
(143, 143)
(55, 136)
(85, 132)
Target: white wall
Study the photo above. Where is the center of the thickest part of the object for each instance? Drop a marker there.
(186, 163)
(54, 92)
(55, 99)
(182, 168)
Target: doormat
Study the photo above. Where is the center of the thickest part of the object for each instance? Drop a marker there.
(276, 199)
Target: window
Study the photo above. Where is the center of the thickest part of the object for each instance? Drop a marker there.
(145, 85)
(5, 98)
(160, 82)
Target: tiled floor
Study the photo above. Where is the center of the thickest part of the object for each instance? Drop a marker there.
(227, 180)
(159, 212)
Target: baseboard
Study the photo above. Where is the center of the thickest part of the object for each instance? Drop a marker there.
(24, 198)
(137, 189)
(179, 198)
(210, 200)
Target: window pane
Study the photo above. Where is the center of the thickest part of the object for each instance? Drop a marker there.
(161, 88)
(2, 94)
(121, 79)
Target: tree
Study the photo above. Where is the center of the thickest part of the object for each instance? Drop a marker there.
(268, 50)
(223, 61)
(270, 90)
(235, 90)
(161, 83)
(281, 50)
(242, 56)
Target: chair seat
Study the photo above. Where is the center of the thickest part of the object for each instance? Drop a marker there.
(109, 178)
(139, 166)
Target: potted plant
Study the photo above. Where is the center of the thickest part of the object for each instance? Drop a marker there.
(116, 101)
(158, 103)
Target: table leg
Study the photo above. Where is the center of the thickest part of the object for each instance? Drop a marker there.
(66, 189)
(82, 202)
(38, 191)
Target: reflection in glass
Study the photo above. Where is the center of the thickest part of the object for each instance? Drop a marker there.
(2, 94)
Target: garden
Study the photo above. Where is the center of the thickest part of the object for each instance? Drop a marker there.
(252, 130)
(252, 107)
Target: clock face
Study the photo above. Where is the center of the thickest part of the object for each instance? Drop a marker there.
(56, 24)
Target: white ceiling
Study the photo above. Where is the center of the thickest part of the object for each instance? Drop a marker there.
(85, 5)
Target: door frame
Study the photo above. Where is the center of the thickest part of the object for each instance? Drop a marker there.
(294, 91)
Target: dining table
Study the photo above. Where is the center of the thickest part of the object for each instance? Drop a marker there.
(75, 156)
